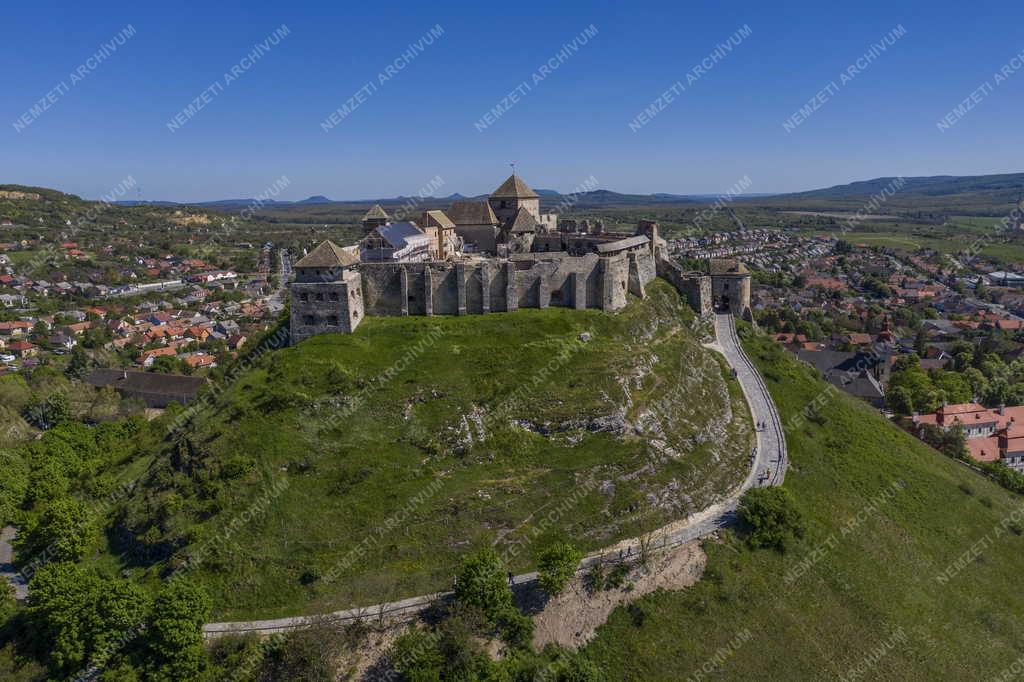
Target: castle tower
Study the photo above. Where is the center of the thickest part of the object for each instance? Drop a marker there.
(374, 218)
(511, 196)
(327, 293)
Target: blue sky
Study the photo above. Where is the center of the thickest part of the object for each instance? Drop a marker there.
(572, 125)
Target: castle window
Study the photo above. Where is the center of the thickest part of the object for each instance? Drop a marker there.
(334, 295)
(319, 297)
(309, 320)
(332, 320)
(304, 297)
(504, 204)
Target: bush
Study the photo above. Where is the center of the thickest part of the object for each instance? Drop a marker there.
(772, 516)
(557, 566)
(416, 656)
(483, 584)
(617, 576)
(594, 578)
(516, 629)
(307, 654)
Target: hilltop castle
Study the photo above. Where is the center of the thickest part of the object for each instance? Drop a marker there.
(494, 255)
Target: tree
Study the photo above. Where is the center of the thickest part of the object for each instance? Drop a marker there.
(45, 413)
(557, 565)
(482, 583)
(773, 518)
(61, 598)
(168, 364)
(899, 400)
(62, 533)
(121, 611)
(175, 633)
(79, 365)
(955, 387)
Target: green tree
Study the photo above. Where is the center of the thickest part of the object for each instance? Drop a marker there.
(63, 533)
(773, 517)
(175, 633)
(45, 413)
(557, 565)
(954, 386)
(121, 612)
(482, 583)
(79, 364)
(899, 400)
(61, 599)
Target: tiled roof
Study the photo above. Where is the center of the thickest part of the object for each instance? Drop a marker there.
(439, 218)
(522, 222)
(514, 188)
(984, 449)
(327, 255)
(472, 213)
(376, 213)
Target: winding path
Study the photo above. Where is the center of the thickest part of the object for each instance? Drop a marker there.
(767, 468)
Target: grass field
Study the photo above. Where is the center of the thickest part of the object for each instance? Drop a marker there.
(500, 429)
(909, 570)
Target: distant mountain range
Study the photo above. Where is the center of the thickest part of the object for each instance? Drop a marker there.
(981, 194)
(934, 186)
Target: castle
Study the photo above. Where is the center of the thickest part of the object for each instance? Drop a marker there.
(490, 256)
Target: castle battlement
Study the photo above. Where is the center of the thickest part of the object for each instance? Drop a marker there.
(574, 265)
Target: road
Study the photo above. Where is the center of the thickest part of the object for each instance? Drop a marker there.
(771, 456)
(7, 570)
(275, 301)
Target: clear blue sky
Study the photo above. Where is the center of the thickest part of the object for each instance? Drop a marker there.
(572, 125)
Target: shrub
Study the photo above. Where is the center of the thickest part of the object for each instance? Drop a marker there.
(617, 576)
(772, 516)
(557, 566)
(516, 629)
(483, 584)
(594, 578)
(307, 654)
(416, 656)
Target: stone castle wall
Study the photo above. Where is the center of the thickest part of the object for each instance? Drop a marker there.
(694, 286)
(505, 285)
(536, 280)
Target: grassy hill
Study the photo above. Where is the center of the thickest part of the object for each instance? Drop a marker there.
(351, 469)
(922, 198)
(910, 569)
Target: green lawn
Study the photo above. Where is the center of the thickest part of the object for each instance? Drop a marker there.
(873, 592)
(496, 429)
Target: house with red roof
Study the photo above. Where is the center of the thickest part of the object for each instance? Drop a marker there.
(22, 349)
(992, 435)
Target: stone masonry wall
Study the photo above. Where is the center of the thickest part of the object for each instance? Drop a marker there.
(692, 285)
(470, 288)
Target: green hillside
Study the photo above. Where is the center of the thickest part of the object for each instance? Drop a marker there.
(352, 469)
(910, 569)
